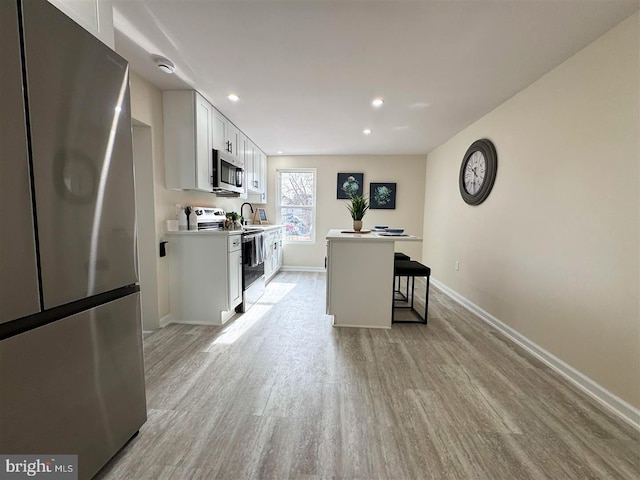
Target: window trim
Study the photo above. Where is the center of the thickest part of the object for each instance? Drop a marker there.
(313, 207)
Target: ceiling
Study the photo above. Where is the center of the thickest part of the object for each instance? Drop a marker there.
(306, 71)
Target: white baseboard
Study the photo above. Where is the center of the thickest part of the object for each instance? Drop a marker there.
(612, 402)
(195, 322)
(166, 320)
(342, 325)
(295, 268)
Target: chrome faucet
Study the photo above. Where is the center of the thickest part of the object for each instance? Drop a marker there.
(242, 207)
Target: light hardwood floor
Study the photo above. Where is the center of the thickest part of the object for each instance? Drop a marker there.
(279, 393)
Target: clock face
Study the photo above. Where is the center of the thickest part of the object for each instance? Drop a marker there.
(474, 172)
(478, 172)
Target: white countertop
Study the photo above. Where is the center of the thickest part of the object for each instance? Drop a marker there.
(220, 233)
(224, 232)
(262, 227)
(336, 234)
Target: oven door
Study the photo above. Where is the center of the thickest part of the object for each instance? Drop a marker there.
(253, 253)
(253, 282)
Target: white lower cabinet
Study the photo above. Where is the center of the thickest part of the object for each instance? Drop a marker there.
(279, 251)
(205, 271)
(235, 276)
(273, 259)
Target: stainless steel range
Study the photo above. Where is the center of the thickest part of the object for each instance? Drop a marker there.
(209, 218)
(253, 255)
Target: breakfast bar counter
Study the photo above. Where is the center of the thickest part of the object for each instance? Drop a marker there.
(360, 277)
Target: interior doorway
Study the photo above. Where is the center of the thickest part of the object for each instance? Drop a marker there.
(145, 221)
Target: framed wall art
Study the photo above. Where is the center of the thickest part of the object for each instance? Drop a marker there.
(260, 217)
(350, 184)
(382, 195)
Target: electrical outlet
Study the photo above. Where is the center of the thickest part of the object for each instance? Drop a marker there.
(457, 266)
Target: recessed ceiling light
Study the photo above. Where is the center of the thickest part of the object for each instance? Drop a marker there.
(366, 131)
(377, 102)
(165, 65)
(233, 97)
(279, 152)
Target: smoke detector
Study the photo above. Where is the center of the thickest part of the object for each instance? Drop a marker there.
(165, 65)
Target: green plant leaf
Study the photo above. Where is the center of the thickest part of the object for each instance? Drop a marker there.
(358, 206)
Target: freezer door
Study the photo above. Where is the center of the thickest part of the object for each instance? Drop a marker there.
(75, 386)
(18, 271)
(79, 113)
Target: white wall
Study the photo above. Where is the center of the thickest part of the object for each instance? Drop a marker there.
(554, 251)
(145, 200)
(405, 170)
(146, 107)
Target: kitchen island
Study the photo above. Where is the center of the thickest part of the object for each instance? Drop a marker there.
(360, 278)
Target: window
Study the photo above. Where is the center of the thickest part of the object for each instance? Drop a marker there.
(297, 204)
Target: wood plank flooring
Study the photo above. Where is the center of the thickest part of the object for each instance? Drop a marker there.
(279, 393)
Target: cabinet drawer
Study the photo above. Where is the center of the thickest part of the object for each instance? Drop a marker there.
(234, 243)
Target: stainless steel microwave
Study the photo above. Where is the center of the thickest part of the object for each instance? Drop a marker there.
(227, 177)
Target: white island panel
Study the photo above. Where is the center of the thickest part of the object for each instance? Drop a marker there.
(360, 278)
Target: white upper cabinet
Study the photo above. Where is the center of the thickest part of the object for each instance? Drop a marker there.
(219, 131)
(242, 147)
(262, 172)
(226, 138)
(95, 16)
(249, 166)
(193, 128)
(233, 142)
(188, 140)
(257, 184)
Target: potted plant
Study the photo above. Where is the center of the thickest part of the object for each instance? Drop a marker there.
(357, 208)
(233, 221)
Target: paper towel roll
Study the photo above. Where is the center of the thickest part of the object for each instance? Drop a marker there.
(172, 225)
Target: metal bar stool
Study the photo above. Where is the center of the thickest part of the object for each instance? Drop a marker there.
(399, 256)
(411, 269)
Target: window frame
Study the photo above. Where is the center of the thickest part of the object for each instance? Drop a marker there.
(313, 207)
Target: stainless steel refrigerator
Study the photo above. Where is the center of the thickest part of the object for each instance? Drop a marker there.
(71, 363)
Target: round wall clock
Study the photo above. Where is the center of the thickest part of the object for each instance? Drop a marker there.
(478, 172)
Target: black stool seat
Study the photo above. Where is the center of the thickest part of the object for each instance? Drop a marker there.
(398, 257)
(405, 268)
(410, 269)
